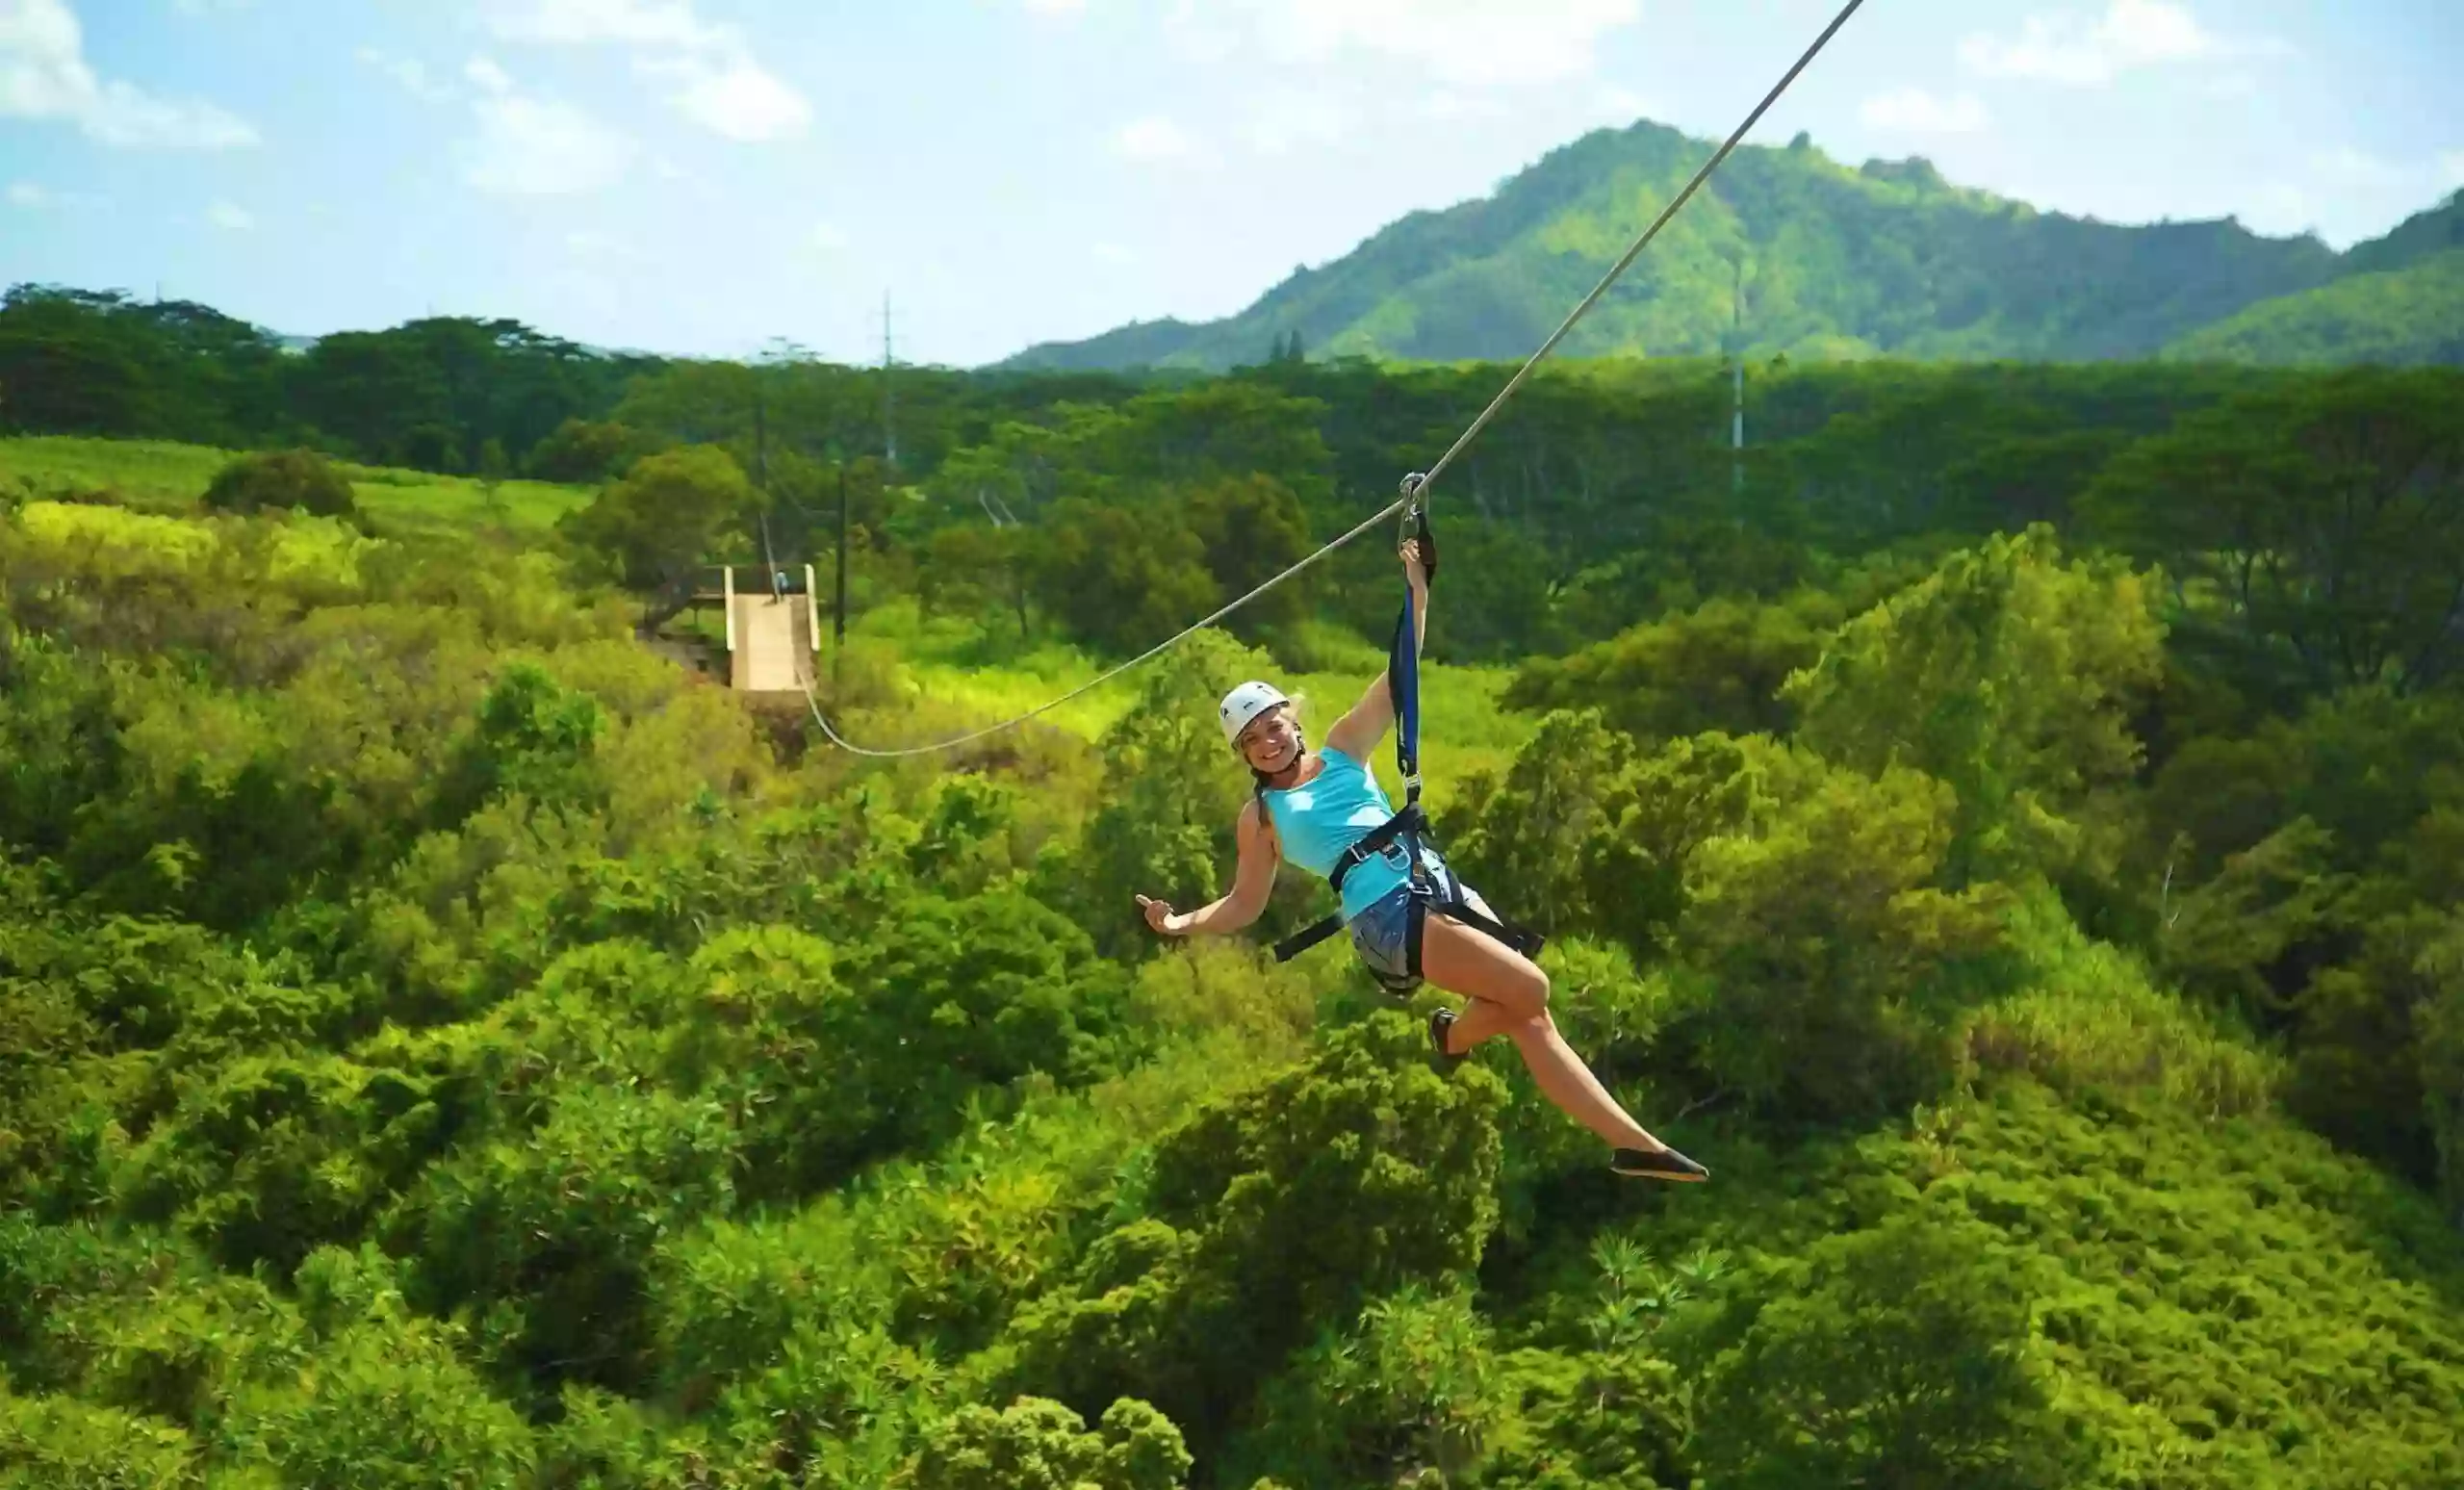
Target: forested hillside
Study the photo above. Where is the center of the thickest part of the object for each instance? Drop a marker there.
(2392, 317)
(2008, 822)
(1838, 261)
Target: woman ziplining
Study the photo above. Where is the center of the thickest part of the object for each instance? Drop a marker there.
(1410, 920)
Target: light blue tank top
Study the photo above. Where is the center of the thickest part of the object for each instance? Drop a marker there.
(1320, 818)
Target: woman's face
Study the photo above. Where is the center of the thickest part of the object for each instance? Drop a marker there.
(1272, 742)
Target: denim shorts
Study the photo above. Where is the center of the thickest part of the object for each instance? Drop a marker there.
(1381, 934)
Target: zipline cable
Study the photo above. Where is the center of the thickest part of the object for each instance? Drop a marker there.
(1639, 244)
(1415, 487)
(1383, 513)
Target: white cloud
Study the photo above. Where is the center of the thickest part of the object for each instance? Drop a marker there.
(1056, 7)
(27, 194)
(1473, 43)
(594, 246)
(1287, 119)
(488, 76)
(2059, 48)
(44, 75)
(230, 218)
(2350, 166)
(716, 80)
(630, 22)
(408, 71)
(827, 236)
(1114, 253)
(2345, 192)
(541, 147)
(2231, 86)
(1446, 105)
(2282, 208)
(734, 99)
(1154, 137)
(1623, 105)
(1912, 111)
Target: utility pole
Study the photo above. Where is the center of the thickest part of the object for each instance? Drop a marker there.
(762, 484)
(1736, 362)
(760, 438)
(838, 642)
(890, 426)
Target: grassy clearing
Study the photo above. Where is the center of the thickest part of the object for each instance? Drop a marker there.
(944, 666)
(1463, 728)
(159, 475)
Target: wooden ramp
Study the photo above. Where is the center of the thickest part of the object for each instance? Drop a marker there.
(772, 641)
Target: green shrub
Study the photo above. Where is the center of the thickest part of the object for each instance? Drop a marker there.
(1899, 1356)
(1039, 1445)
(548, 1237)
(57, 1442)
(275, 1155)
(387, 1406)
(281, 481)
(1286, 1202)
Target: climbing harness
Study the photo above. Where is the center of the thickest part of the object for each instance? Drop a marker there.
(1433, 885)
(1415, 487)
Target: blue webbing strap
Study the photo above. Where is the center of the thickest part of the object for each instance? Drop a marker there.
(1403, 682)
(1403, 660)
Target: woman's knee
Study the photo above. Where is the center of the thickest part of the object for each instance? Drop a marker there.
(1526, 992)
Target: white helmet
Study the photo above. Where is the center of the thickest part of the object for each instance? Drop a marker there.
(1245, 703)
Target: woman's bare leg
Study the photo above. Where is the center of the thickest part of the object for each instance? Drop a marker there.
(1479, 1020)
(1510, 996)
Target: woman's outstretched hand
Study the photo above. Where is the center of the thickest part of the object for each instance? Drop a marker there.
(1415, 573)
(1160, 917)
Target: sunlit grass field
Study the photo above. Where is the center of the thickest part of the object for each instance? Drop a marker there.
(1463, 728)
(159, 475)
(946, 666)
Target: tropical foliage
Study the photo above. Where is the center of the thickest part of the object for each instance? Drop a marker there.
(2009, 824)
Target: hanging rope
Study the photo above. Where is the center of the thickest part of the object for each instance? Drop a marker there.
(1415, 487)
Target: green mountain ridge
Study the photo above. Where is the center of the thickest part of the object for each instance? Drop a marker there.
(2413, 315)
(1887, 258)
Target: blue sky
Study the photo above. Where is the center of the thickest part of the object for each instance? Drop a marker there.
(696, 176)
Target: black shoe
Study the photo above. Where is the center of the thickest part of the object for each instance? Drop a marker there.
(1440, 1024)
(1667, 1164)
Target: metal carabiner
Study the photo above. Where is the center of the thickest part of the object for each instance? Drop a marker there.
(1412, 514)
(1415, 524)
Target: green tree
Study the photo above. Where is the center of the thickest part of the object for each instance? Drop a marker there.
(281, 481)
(1898, 1355)
(1719, 666)
(583, 452)
(1035, 1444)
(659, 524)
(1253, 528)
(1267, 1209)
(1119, 578)
(1829, 940)
(2442, 1061)
(2320, 521)
(2007, 673)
